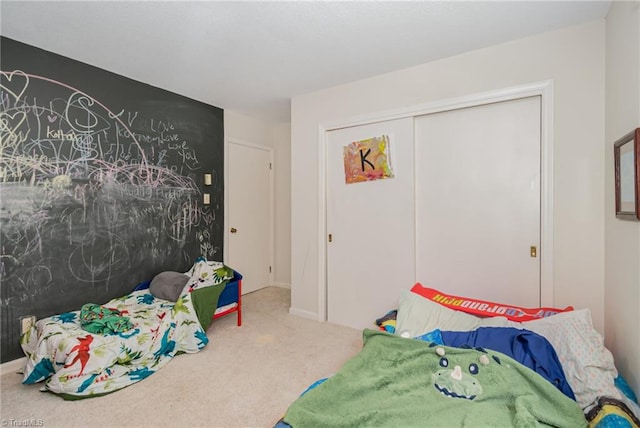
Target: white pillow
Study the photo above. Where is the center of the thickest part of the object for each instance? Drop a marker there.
(587, 364)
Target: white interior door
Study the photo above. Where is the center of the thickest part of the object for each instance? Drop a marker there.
(249, 214)
(478, 201)
(371, 223)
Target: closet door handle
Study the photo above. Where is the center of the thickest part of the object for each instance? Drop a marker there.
(234, 230)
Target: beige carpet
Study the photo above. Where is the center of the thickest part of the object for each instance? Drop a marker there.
(245, 377)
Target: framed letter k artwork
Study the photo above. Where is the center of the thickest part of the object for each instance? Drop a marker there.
(367, 160)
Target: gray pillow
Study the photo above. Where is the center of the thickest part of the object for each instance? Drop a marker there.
(168, 285)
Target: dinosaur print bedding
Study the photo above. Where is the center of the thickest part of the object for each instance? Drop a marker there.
(401, 382)
(76, 363)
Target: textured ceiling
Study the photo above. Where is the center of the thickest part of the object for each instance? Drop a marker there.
(253, 57)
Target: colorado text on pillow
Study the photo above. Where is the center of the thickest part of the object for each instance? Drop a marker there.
(485, 308)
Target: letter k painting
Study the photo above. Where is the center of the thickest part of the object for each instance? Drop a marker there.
(367, 160)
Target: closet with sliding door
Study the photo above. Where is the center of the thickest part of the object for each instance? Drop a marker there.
(460, 210)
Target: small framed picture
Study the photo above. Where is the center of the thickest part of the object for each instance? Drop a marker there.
(627, 169)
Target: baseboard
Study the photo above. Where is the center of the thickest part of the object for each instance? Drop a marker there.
(12, 366)
(303, 314)
(281, 285)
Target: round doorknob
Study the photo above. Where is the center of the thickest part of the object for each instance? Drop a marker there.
(234, 230)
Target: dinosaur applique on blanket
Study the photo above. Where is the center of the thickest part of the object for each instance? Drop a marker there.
(455, 382)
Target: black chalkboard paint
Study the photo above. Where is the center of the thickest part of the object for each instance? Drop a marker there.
(101, 185)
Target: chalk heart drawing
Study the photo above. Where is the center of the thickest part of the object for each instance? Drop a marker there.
(14, 83)
(11, 122)
(52, 118)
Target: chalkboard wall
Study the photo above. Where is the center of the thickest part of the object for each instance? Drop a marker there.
(101, 185)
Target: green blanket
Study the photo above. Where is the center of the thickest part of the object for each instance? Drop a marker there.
(397, 382)
(102, 320)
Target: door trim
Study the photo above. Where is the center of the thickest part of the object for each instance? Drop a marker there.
(544, 89)
(227, 222)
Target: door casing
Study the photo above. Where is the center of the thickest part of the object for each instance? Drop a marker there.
(544, 89)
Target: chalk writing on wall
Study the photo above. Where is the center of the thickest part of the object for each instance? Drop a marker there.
(93, 201)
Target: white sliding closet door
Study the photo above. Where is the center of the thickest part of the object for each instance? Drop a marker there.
(371, 254)
(478, 201)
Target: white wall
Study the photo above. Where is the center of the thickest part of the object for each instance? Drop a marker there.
(246, 128)
(282, 257)
(240, 127)
(573, 57)
(622, 238)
